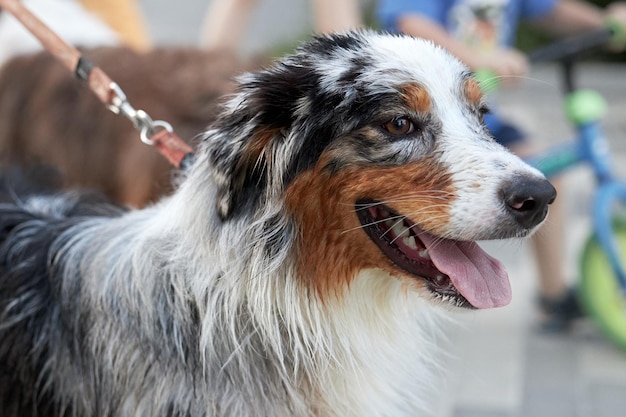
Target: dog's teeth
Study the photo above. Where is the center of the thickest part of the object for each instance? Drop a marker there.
(440, 279)
(400, 230)
(424, 253)
(410, 242)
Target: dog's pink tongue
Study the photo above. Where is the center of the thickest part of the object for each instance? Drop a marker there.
(480, 278)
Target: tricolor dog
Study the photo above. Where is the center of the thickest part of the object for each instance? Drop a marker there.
(300, 267)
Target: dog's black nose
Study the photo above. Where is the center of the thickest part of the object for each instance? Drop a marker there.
(527, 199)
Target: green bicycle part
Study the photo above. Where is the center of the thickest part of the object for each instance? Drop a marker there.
(557, 162)
(487, 79)
(599, 288)
(584, 106)
(618, 38)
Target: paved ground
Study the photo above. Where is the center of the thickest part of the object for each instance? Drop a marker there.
(503, 367)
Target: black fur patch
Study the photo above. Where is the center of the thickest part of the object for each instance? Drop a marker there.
(32, 323)
(274, 100)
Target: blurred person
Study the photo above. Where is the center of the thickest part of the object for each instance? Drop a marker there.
(225, 24)
(481, 34)
(335, 15)
(227, 20)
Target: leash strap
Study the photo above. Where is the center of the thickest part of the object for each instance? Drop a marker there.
(157, 133)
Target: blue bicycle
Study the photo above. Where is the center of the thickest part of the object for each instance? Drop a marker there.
(602, 286)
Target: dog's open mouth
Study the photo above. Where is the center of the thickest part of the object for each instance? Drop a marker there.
(458, 272)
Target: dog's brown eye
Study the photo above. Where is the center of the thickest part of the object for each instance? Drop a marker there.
(399, 126)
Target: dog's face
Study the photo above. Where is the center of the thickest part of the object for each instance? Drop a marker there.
(374, 146)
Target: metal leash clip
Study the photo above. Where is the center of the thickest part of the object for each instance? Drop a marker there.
(139, 118)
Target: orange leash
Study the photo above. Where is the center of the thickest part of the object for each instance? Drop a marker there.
(157, 133)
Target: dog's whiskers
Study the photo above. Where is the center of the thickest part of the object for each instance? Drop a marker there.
(431, 217)
(424, 211)
(361, 226)
(429, 194)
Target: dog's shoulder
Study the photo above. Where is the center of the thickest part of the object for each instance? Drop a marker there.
(38, 220)
(32, 229)
(32, 219)
(32, 232)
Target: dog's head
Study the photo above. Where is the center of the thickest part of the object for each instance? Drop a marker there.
(375, 148)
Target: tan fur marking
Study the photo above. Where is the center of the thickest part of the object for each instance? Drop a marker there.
(257, 145)
(332, 246)
(254, 155)
(472, 91)
(416, 97)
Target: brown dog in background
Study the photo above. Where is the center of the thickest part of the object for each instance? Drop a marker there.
(48, 118)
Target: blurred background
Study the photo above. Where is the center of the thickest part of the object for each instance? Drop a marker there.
(499, 363)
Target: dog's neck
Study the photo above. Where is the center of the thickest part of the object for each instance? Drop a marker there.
(360, 359)
(365, 351)
(377, 348)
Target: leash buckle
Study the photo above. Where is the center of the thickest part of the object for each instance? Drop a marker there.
(119, 103)
(147, 127)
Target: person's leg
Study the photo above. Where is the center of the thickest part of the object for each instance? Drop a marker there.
(557, 299)
(548, 245)
(336, 15)
(225, 24)
(548, 241)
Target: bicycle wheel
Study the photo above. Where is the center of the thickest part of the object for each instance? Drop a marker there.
(600, 292)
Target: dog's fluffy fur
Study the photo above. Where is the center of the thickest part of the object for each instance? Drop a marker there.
(49, 119)
(278, 280)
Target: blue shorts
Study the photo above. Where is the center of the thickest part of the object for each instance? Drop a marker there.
(504, 132)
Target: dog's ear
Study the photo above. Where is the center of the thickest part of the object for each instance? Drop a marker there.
(253, 131)
(246, 178)
(280, 121)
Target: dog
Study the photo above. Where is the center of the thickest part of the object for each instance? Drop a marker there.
(50, 120)
(328, 221)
